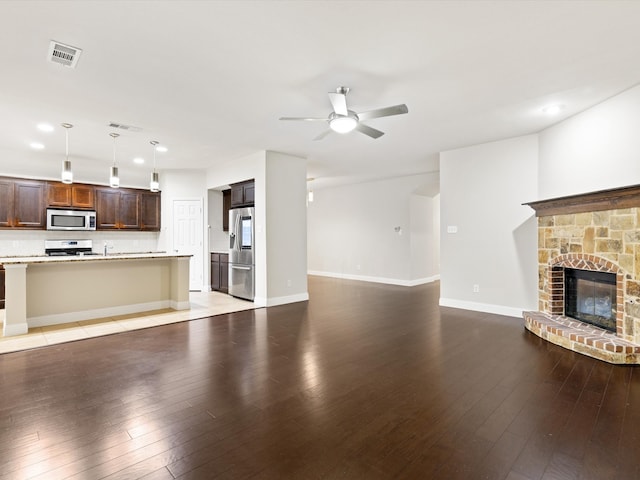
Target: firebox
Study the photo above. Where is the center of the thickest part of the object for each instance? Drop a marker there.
(590, 296)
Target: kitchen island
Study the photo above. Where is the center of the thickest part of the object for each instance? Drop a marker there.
(43, 291)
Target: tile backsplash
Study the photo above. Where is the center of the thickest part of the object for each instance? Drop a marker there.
(18, 243)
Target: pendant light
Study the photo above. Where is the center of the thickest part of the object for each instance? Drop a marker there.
(154, 184)
(67, 174)
(114, 180)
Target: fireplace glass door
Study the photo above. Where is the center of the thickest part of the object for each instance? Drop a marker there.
(590, 297)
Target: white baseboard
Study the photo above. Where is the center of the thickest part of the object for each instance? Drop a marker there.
(273, 301)
(483, 307)
(58, 318)
(186, 305)
(15, 329)
(365, 278)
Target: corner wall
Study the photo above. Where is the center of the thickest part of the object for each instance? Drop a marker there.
(280, 250)
(488, 238)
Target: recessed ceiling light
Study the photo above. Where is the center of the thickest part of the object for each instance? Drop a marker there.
(553, 109)
(161, 148)
(36, 145)
(45, 127)
(138, 160)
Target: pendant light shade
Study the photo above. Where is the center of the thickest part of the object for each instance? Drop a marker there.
(114, 179)
(67, 174)
(154, 184)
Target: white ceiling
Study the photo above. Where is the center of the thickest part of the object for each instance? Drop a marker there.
(209, 79)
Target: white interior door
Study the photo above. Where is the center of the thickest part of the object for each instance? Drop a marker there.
(187, 237)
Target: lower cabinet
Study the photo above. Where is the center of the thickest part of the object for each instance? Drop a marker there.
(220, 272)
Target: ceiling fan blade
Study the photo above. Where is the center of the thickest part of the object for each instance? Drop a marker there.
(383, 112)
(304, 119)
(339, 103)
(367, 130)
(322, 135)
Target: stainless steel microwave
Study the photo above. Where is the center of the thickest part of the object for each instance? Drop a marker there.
(71, 219)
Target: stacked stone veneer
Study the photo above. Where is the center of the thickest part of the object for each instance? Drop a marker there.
(607, 241)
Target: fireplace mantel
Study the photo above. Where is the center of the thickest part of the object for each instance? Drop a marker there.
(623, 197)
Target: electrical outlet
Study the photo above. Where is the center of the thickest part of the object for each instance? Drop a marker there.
(476, 288)
(288, 283)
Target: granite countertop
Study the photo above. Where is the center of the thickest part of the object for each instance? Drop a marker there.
(87, 258)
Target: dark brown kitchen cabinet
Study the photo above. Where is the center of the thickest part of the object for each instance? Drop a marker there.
(220, 272)
(150, 211)
(226, 206)
(21, 203)
(243, 194)
(74, 195)
(117, 209)
(6, 202)
(1, 287)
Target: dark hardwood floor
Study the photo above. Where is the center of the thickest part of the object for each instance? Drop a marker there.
(365, 381)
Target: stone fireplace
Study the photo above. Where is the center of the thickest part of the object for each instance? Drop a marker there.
(591, 241)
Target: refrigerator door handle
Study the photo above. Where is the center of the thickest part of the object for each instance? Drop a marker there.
(236, 231)
(238, 267)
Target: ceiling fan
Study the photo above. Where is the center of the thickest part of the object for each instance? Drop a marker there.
(343, 120)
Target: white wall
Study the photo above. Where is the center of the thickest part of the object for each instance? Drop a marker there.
(286, 228)
(271, 172)
(495, 247)
(594, 150)
(425, 236)
(352, 231)
(218, 238)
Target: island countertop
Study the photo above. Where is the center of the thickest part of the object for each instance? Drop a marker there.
(49, 290)
(85, 258)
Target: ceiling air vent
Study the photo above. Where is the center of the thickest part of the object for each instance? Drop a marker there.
(122, 126)
(63, 54)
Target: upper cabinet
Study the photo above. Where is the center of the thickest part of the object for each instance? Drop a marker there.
(74, 195)
(117, 209)
(127, 209)
(22, 203)
(150, 211)
(243, 194)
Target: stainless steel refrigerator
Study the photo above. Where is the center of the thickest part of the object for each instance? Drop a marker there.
(241, 258)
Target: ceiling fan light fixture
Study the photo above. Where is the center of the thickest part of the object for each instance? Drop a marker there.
(343, 123)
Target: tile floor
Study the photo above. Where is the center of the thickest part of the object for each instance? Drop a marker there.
(203, 304)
